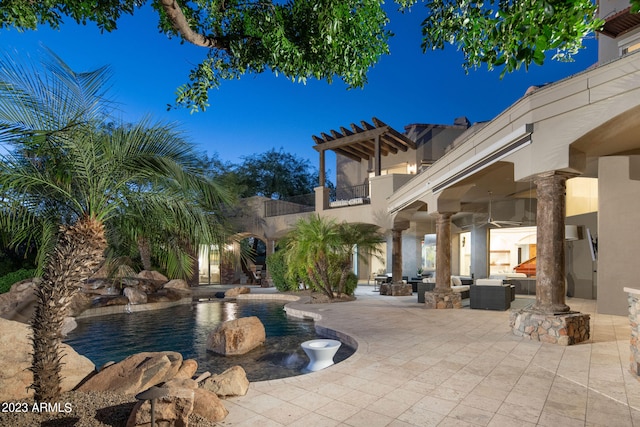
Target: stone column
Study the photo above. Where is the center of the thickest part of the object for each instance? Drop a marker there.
(550, 262)
(396, 255)
(443, 252)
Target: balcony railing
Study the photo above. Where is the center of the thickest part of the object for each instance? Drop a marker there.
(347, 193)
(349, 196)
(290, 205)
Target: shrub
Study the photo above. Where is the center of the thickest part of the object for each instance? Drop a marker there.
(351, 284)
(8, 280)
(277, 268)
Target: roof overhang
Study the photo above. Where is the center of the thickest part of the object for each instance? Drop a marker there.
(620, 23)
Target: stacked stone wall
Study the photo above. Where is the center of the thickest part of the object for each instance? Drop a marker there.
(442, 300)
(564, 329)
(634, 340)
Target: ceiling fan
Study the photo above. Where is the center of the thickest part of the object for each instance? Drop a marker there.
(496, 223)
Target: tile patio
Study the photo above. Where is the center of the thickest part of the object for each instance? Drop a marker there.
(420, 367)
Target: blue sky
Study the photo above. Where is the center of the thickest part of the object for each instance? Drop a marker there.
(260, 112)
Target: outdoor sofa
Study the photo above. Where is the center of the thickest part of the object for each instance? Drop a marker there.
(491, 294)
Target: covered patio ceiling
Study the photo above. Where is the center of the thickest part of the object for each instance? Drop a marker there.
(364, 142)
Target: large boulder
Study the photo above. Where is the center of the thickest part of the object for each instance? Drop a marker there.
(165, 295)
(205, 403)
(238, 290)
(178, 285)
(187, 370)
(135, 296)
(208, 405)
(173, 409)
(237, 336)
(181, 398)
(232, 382)
(109, 300)
(136, 373)
(16, 350)
(153, 276)
(18, 304)
(80, 302)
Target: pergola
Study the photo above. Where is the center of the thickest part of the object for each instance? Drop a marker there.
(364, 142)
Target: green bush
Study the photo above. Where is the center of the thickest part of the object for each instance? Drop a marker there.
(8, 280)
(277, 268)
(351, 284)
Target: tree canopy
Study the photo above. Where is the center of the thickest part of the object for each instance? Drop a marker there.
(325, 39)
(509, 33)
(276, 174)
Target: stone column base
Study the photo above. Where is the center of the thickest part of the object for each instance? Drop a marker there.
(396, 289)
(563, 328)
(447, 299)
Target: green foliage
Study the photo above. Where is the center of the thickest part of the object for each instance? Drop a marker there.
(509, 33)
(275, 174)
(351, 283)
(27, 15)
(323, 249)
(327, 39)
(8, 280)
(66, 163)
(320, 39)
(277, 267)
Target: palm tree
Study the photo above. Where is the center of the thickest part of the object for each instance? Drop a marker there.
(167, 237)
(317, 245)
(71, 175)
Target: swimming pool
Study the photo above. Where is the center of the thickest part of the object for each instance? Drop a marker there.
(185, 328)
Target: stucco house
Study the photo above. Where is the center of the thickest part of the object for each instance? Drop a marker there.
(500, 193)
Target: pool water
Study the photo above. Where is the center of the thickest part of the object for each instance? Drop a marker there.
(185, 328)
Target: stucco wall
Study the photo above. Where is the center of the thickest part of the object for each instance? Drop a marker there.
(618, 232)
(580, 268)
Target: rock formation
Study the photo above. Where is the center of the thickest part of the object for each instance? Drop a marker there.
(237, 336)
(136, 373)
(16, 349)
(182, 398)
(234, 292)
(232, 382)
(178, 285)
(109, 286)
(135, 296)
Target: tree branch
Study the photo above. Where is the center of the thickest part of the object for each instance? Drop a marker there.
(180, 24)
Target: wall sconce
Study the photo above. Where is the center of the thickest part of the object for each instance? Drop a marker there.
(411, 168)
(571, 233)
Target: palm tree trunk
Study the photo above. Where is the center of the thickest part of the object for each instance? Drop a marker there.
(346, 268)
(194, 277)
(79, 252)
(144, 248)
(322, 269)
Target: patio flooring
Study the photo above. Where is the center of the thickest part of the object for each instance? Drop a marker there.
(420, 367)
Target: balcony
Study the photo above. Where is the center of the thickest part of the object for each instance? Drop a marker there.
(290, 205)
(349, 196)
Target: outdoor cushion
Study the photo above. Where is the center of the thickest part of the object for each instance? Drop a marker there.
(488, 282)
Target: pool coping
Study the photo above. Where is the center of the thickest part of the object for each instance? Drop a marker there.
(132, 308)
